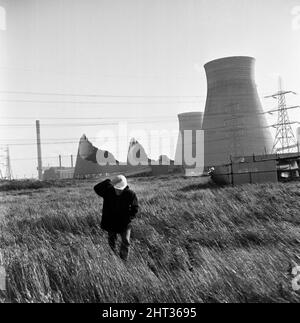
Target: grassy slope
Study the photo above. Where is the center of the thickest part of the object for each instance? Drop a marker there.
(190, 243)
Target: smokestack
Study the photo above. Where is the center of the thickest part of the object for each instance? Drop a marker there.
(189, 121)
(39, 150)
(72, 161)
(59, 158)
(233, 123)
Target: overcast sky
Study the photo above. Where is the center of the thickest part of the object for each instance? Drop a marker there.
(135, 48)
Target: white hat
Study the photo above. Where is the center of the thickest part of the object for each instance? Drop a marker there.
(120, 182)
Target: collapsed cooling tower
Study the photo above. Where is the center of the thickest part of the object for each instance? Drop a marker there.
(233, 121)
(189, 145)
(93, 161)
(136, 154)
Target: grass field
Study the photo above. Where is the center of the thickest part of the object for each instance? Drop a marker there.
(191, 242)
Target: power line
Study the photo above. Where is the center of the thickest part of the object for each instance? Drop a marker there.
(79, 124)
(98, 95)
(76, 141)
(237, 115)
(198, 97)
(96, 102)
(47, 157)
(33, 140)
(55, 157)
(85, 118)
(93, 75)
(247, 114)
(49, 141)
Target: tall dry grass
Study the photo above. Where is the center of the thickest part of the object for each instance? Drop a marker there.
(191, 242)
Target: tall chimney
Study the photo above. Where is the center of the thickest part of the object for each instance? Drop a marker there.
(39, 150)
(72, 161)
(233, 123)
(59, 158)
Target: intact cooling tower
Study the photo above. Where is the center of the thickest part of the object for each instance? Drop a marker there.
(233, 123)
(190, 143)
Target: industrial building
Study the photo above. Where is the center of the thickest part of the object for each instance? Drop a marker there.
(192, 146)
(58, 172)
(165, 166)
(53, 173)
(258, 169)
(233, 123)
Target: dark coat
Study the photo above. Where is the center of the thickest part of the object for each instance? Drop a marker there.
(118, 211)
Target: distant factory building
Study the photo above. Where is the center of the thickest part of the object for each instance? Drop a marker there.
(53, 173)
(233, 123)
(165, 166)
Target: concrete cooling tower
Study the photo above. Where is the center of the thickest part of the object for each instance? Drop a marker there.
(136, 154)
(233, 123)
(94, 161)
(91, 160)
(188, 145)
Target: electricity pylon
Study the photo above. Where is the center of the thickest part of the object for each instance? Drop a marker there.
(285, 140)
(5, 161)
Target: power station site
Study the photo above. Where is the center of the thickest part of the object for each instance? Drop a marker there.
(237, 146)
(149, 156)
(230, 142)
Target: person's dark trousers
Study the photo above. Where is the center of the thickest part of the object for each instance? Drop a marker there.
(125, 244)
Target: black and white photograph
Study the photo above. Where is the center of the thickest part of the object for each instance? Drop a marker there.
(149, 155)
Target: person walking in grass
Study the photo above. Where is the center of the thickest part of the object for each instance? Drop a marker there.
(120, 206)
